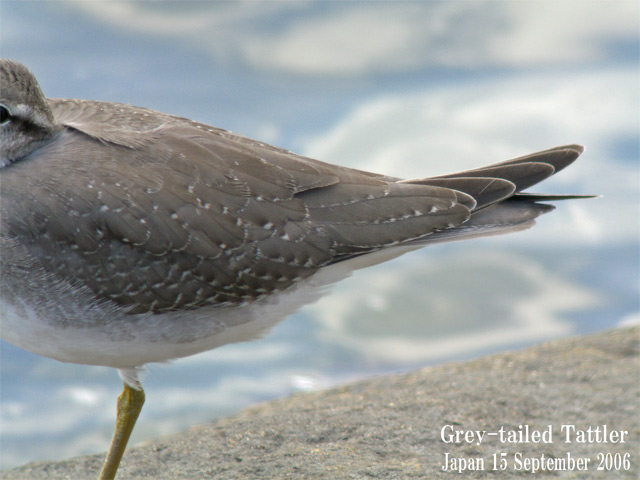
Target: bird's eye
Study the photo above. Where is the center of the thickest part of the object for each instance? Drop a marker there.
(5, 114)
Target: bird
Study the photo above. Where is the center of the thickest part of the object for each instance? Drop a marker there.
(130, 236)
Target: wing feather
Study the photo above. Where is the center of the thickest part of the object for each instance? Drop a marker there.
(159, 213)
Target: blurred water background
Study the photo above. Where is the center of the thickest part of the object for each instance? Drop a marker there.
(404, 88)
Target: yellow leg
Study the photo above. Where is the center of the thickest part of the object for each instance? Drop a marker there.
(130, 403)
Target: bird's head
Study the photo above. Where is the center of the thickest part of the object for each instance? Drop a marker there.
(26, 119)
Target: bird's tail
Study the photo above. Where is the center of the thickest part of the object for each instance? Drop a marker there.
(500, 205)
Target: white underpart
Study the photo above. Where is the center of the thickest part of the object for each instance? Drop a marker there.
(64, 329)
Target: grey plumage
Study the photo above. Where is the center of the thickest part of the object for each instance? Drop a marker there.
(159, 213)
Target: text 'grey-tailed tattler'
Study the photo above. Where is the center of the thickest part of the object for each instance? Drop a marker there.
(130, 236)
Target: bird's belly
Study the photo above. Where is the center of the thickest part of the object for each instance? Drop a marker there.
(50, 317)
(127, 341)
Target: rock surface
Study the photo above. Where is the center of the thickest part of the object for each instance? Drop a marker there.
(390, 427)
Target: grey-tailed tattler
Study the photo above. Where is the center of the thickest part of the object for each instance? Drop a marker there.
(131, 236)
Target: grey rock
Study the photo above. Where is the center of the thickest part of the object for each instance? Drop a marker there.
(390, 427)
